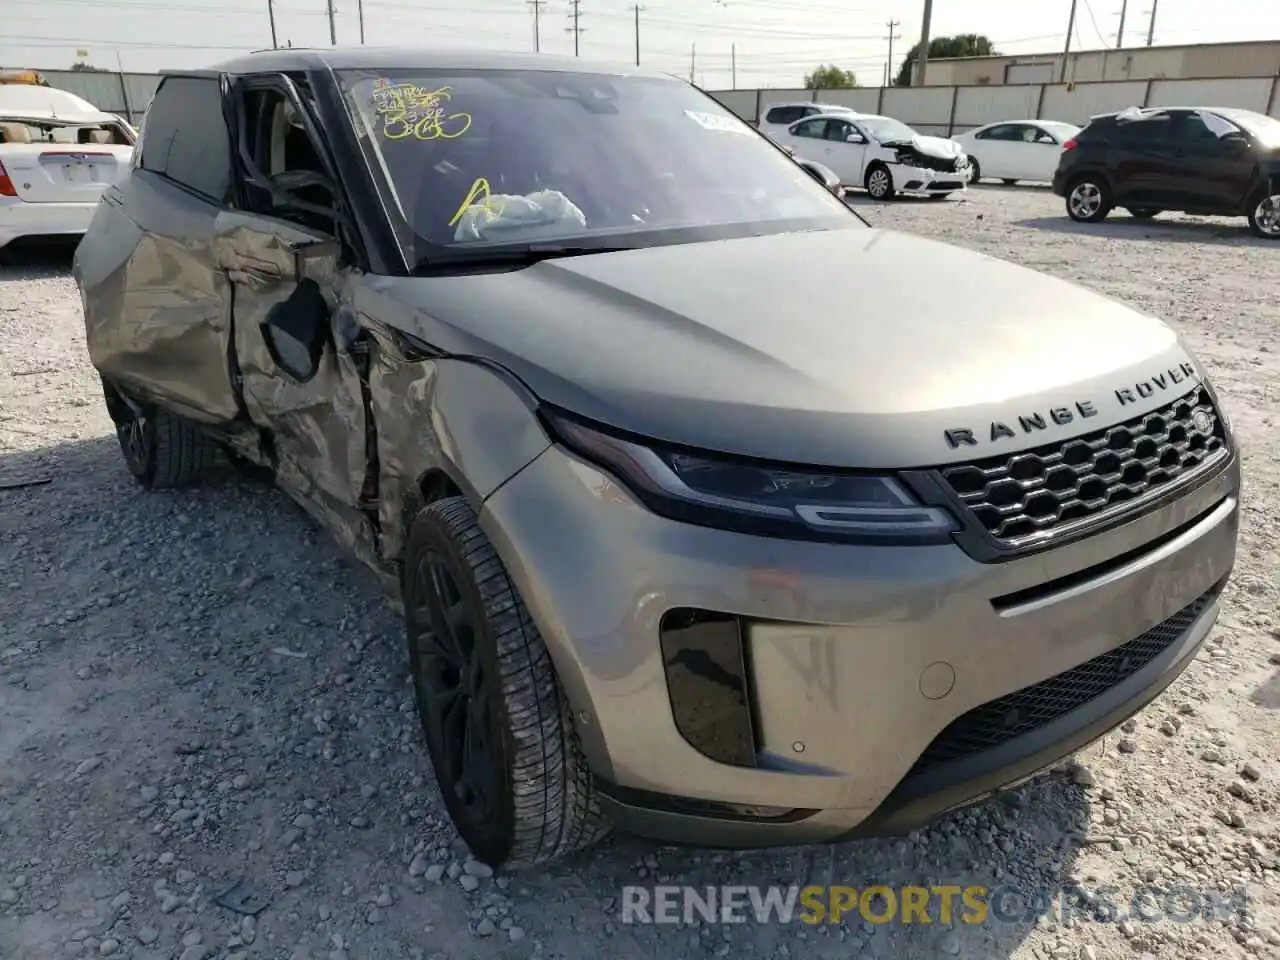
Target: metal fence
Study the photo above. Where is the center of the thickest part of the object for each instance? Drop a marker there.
(944, 111)
(941, 111)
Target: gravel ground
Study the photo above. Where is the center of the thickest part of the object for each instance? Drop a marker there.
(198, 689)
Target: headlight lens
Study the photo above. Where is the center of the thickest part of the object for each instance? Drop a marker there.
(757, 498)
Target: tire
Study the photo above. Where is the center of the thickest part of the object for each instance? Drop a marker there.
(537, 801)
(975, 170)
(878, 182)
(162, 451)
(1088, 199)
(1143, 213)
(1264, 214)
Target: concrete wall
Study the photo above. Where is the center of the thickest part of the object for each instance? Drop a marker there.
(127, 94)
(943, 111)
(936, 110)
(1202, 61)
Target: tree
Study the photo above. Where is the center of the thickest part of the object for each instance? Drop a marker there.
(940, 48)
(830, 77)
(81, 66)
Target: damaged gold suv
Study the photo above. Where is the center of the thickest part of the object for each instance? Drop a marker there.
(707, 520)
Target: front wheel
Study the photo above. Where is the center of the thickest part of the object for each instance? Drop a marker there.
(497, 724)
(879, 182)
(1264, 215)
(1088, 200)
(975, 171)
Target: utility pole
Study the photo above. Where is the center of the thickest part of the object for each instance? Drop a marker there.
(360, 13)
(271, 15)
(888, 69)
(1124, 8)
(636, 8)
(537, 6)
(1066, 50)
(1151, 28)
(576, 7)
(733, 65)
(693, 60)
(922, 59)
(333, 25)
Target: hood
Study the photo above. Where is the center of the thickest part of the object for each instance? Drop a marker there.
(930, 146)
(847, 348)
(934, 153)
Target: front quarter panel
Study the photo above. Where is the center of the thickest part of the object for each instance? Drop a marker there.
(439, 416)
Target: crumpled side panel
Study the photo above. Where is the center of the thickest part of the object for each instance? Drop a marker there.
(402, 394)
(156, 316)
(319, 426)
(456, 415)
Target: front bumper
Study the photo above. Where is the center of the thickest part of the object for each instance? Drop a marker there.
(921, 181)
(21, 219)
(859, 661)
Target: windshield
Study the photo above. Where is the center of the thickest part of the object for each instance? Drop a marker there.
(1264, 129)
(886, 128)
(477, 157)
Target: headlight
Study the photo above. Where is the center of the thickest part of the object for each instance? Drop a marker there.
(762, 499)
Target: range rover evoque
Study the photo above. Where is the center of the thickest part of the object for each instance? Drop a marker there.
(708, 519)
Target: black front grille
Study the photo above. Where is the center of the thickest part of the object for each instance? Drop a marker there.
(945, 185)
(1015, 714)
(1019, 495)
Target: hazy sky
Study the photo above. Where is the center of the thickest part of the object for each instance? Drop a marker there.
(775, 41)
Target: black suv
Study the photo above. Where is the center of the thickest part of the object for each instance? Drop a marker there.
(1210, 161)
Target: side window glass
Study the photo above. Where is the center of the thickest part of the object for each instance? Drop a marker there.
(187, 140)
(1148, 133)
(285, 153)
(1043, 136)
(838, 130)
(1207, 127)
(810, 128)
(784, 114)
(1027, 133)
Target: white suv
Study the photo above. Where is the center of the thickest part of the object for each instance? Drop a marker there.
(776, 117)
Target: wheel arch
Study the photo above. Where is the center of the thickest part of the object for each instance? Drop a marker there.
(1097, 173)
(447, 427)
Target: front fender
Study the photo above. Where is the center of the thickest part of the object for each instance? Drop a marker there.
(459, 418)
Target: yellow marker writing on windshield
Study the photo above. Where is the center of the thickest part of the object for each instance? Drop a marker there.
(408, 110)
(479, 193)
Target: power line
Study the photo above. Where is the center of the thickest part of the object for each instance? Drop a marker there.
(636, 9)
(888, 66)
(537, 6)
(575, 15)
(1096, 29)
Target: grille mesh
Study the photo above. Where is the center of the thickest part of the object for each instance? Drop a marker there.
(1023, 711)
(1030, 492)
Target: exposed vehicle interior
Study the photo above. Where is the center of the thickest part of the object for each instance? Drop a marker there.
(26, 130)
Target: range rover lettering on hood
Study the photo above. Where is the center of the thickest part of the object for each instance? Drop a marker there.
(957, 437)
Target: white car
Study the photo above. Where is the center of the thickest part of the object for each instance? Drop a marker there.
(880, 154)
(1014, 150)
(777, 117)
(58, 153)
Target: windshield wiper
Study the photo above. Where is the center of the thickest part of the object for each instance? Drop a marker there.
(521, 255)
